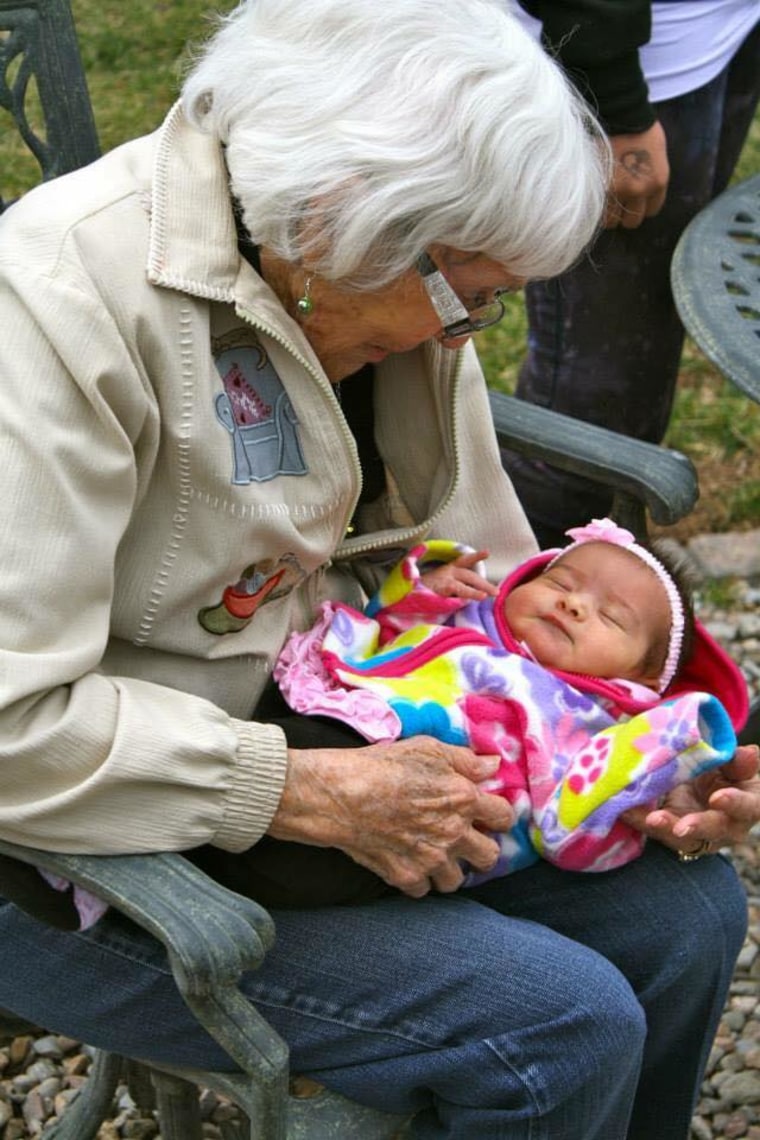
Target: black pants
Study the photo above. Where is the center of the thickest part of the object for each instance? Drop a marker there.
(283, 874)
(605, 338)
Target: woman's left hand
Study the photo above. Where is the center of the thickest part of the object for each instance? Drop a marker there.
(718, 807)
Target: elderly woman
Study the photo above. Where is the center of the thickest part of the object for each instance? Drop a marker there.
(235, 381)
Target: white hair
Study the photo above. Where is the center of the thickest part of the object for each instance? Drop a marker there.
(360, 132)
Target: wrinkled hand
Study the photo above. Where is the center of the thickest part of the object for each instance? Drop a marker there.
(408, 810)
(719, 806)
(639, 179)
(457, 579)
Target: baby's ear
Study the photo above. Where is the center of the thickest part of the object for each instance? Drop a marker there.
(651, 667)
(650, 679)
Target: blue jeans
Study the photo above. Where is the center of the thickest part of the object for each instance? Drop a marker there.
(545, 1005)
(605, 340)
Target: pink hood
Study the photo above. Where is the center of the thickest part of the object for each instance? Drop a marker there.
(708, 670)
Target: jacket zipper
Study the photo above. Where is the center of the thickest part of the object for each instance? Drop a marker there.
(411, 534)
(325, 386)
(400, 536)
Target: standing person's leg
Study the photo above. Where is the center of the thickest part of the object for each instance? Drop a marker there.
(488, 1026)
(605, 340)
(675, 930)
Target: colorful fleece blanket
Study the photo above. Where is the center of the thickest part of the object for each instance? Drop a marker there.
(571, 761)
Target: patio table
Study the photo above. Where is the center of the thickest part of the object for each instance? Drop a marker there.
(716, 283)
(715, 275)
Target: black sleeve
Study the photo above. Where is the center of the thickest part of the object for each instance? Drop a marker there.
(597, 43)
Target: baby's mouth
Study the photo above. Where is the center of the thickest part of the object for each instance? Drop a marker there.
(552, 619)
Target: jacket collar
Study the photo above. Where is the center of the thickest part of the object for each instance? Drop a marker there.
(193, 244)
(193, 237)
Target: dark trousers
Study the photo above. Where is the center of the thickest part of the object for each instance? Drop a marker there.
(605, 339)
(280, 874)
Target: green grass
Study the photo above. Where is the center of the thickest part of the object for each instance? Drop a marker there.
(134, 54)
(712, 422)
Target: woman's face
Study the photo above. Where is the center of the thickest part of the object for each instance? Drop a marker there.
(347, 330)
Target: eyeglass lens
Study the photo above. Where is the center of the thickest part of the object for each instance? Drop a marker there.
(456, 319)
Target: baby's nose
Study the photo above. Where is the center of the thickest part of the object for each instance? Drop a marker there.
(574, 604)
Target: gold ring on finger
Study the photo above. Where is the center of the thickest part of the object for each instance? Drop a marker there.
(704, 848)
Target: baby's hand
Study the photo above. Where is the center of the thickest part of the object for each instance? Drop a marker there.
(458, 580)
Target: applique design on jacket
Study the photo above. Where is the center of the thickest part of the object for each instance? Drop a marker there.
(259, 583)
(256, 411)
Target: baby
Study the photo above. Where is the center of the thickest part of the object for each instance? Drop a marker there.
(584, 670)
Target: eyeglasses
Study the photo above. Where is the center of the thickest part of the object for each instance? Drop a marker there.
(456, 319)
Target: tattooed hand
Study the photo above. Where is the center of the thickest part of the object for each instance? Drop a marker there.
(640, 178)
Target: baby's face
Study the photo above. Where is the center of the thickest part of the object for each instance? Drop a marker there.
(598, 611)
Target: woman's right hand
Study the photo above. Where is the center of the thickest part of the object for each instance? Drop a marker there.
(408, 810)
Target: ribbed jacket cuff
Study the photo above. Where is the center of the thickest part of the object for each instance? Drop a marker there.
(258, 780)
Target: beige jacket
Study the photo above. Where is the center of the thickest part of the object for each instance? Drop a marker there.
(177, 482)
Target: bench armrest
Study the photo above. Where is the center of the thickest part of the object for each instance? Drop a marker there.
(643, 476)
(211, 935)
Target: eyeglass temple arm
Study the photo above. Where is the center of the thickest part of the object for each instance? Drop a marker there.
(443, 298)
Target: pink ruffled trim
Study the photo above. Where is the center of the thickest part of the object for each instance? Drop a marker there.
(89, 907)
(310, 689)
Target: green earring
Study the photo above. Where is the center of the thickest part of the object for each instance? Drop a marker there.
(304, 304)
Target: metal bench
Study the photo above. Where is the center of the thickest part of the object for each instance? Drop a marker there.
(39, 49)
(211, 934)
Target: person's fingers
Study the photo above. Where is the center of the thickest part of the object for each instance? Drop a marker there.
(448, 879)
(612, 213)
(711, 825)
(476, 766)
(627, 214)
(471, 558)
(744, 764)
(632, 215)
(470, 584)
(736, 805)
(415, 888)
(480, 850)
(685, 833)
(655, 202)
(493, 812)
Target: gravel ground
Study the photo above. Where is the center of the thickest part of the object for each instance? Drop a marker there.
(730, 1104)
(40, 1074)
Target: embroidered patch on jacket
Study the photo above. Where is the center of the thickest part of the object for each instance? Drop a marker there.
(260, 583)
(256, 411)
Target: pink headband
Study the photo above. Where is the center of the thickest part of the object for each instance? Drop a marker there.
(605, 530)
